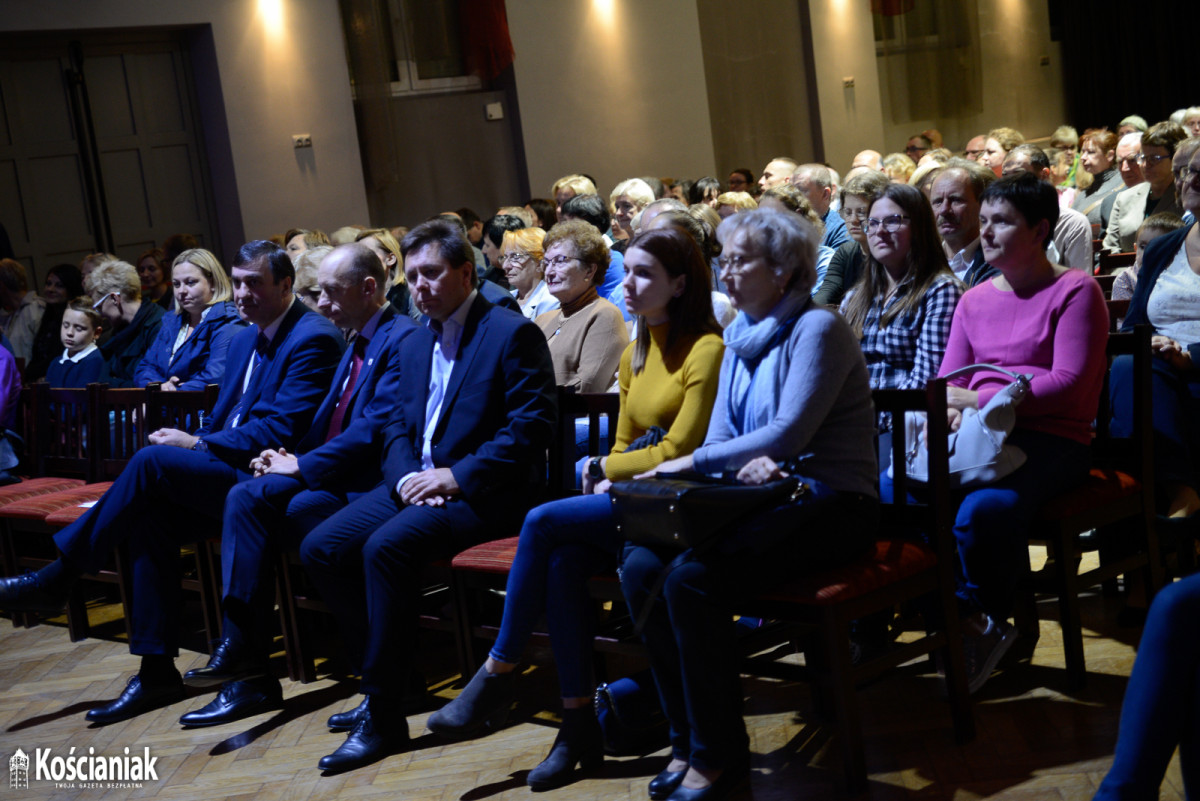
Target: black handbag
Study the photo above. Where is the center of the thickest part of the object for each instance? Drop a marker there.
(689, 510)
(630, 715)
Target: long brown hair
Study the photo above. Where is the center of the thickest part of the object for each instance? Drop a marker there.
(924, 263)
(690, 313)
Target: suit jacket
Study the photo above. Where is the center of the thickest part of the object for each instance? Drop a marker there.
(200, 360)
(979, 271)
(351, 459)
(1129, 212)
(279, 404)
(498, 414)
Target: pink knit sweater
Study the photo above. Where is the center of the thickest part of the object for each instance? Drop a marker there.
(1056, 333)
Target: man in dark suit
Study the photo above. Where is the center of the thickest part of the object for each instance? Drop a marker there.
(290, 495)
(278, 370)
(463, 455)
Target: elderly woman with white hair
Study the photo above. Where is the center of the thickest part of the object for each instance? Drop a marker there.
(116, 292)
(793, 399)
(628, 198)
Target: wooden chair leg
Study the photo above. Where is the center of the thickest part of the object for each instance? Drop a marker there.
(208, 577)
(77, 619)
(1066, 574)
(835, 634)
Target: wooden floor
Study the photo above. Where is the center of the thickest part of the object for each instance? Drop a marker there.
(1035, 741)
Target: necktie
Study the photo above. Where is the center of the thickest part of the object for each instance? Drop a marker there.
(339, 412)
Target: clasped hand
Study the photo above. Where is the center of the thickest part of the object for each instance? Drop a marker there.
(173, 436)
(1170, 351)
(431, 487)
(275, 463)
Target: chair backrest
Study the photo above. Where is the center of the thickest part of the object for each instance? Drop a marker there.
(574, 406)
(63, 422)
(1106, 283)
(183, 410)
(929, 509)
(1115, 261)
(1133, 453)
(122, 413)
(1117, 309)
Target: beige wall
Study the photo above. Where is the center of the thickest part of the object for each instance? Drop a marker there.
(613, 88)
(278, 76)
(1016, 90)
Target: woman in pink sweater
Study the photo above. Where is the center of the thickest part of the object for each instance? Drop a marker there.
(1046, 321)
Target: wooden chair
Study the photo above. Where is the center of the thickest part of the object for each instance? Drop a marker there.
(1111, 262)
(1116, 501)
(1106, 283)
(897, 570)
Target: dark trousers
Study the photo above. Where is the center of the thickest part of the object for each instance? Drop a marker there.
(1162, 701)
(562, 545)
(166, 497)
(263, 516)
(690, 632)
(367, 562)
(991, 525)
(1176, 402)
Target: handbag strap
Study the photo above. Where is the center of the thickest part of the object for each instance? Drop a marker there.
(656, 590)
(972, 368)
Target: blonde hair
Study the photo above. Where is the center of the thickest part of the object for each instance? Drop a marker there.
(114, 276)
(739, 200)
(580, 184)
(207, 263)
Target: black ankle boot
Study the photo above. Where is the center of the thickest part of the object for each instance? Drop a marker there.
(579, 741)
(483, 703)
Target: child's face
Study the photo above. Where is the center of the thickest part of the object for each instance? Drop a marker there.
(77, 331)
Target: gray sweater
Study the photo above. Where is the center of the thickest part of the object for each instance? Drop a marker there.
(826, 419)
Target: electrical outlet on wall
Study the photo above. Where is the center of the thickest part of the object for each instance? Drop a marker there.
(301, 140)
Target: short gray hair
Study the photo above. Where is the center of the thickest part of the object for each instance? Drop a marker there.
(787, 241)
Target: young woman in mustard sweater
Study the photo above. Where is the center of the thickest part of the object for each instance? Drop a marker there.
(668, 379)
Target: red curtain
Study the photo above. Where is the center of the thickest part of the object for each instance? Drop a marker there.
(487, 45)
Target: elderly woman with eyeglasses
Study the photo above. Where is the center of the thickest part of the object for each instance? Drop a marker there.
(793, 397)
(521, 259)
(116, 291)
(587, 334)
(1165, 297)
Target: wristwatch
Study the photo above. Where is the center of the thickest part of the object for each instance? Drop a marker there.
(201, 446)
(595, 469)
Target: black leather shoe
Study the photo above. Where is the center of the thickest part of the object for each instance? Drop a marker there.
(135, 699)
(366, 743)
(344, 721)
(730, 781)
(228, 662)
(25, 594)
(237, 700)
(662, 785)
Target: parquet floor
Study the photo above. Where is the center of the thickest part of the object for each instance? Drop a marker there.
(1035, 741)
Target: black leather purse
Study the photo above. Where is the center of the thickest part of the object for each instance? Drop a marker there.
(690, 510)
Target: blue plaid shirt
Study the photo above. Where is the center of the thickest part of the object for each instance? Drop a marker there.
(908, 352)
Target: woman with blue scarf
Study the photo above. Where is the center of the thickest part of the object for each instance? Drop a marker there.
(793, 399)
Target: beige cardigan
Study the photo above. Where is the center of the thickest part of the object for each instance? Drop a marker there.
(586, 347)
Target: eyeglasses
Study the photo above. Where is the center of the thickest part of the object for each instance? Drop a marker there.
(855, 214)
(891, 224)
(96, 306)
(734, 266)
(1188, 173)
(1152, 161)
(559, 261)
(515, 257)
(915, 149)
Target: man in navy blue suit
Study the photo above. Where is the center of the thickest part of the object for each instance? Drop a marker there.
(277, 372)
(290, 495)
(463, 457)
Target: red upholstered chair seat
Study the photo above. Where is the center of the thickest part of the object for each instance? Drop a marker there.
(891, 561)
(32, 487)
(1101, 487)
(65, 517)
(39, 507)
(488, 557)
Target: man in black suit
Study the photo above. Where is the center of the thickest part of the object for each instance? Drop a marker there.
(290, 495)
(463, 455)
(170, 493)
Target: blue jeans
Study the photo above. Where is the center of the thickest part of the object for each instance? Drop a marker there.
(1176, 402)
(1162, 701)
(690, 632)
(992, 522)
(562, 545)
